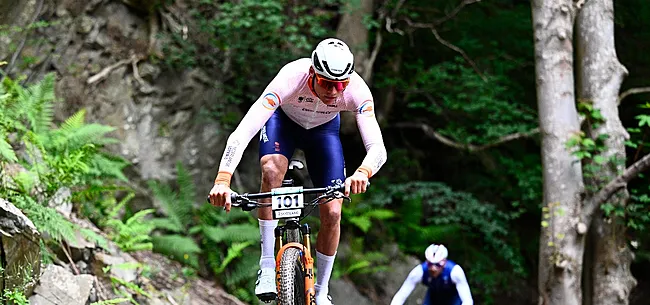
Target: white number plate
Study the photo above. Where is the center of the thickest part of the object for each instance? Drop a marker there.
(285, 204)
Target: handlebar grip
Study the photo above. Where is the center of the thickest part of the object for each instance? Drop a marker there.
(233, 198)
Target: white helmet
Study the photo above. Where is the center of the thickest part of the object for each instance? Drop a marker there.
(332, 59)
(435, 253)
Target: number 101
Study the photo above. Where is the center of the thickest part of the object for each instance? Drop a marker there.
(287, 201)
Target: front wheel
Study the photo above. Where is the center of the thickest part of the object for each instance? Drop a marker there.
(291, 278)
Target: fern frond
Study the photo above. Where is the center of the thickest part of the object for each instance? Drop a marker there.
(177, 210)
(183, 249)
(233, 233)
(186, 189)
(234, 251)
(6, 151)
(74, 122)
(95, 238)
(40, 97)
(243, 269)
(107, 166)
(46, 219)
(76, 138)
(167, 224)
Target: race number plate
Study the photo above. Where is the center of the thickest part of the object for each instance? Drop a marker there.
(286, 203)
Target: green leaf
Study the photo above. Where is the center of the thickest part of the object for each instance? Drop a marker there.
(362, 222)
(6, 151)
(643, 120)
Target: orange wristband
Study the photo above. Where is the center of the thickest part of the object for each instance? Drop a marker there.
(223, 178)
(364, 169)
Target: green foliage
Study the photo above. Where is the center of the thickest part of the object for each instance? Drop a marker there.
(45, 158)
(427, 212)
(15, 296)
(245, 43)
(134, 234)
(461, 99)
(637, 211)
(194, 233)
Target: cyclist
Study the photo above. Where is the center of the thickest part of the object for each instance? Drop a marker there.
(300, 109)
(445, 280)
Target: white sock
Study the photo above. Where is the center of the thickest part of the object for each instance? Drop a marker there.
(267, 232)
(324, 265)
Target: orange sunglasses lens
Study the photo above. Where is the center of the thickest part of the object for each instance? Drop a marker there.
(328, 83)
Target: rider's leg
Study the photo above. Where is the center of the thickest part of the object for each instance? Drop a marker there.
(324, 154)
(327, 243)
(276, 147)
(273, 169)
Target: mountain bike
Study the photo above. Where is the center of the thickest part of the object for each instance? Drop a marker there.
(294, 262)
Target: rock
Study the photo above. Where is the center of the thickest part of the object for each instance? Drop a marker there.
(20, 243)
(122, 266)
(58, 286)
(61, 201)
(343, 292)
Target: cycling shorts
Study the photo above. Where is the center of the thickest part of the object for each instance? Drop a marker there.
(321, 145)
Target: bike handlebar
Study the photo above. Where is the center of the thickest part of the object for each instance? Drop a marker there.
(247, 203)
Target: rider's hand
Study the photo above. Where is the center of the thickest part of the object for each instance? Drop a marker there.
(220, 196)
(356, 183)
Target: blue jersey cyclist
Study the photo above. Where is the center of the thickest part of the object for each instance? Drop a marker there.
(445, 280)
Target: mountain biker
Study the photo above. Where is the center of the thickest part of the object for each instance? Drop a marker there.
(445, 280)
(300, 109)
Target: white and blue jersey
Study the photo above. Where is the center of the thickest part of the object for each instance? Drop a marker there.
(448, 288)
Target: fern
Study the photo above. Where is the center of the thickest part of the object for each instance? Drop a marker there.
(242, 271)
(46, 219)
(234, 251)
(104, 165)
(233, 233)
(181, 248)
(6, 151)
(134, 234)
(92, 236)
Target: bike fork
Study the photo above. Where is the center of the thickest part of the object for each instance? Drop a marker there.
(310, 291)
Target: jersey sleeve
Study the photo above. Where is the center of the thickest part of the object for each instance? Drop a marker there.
(409, 284)
(458, 277)
(373, 141)
(258, 114)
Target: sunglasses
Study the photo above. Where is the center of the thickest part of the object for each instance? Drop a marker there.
(438, 264)
(327, 83)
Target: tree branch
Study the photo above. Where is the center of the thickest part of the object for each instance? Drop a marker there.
(430, 132)
(632, 91)
(446, 43)
(455, 11)
(612, 187)
(459, 50)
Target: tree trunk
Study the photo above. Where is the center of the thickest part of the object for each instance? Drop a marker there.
(561, 245)
(389, 94)
(354, 32)
(600, 75)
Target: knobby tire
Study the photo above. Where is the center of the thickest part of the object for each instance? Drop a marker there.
(292, 278)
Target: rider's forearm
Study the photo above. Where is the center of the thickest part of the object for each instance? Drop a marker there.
(372, 139)
(239, 139)
(375, 158)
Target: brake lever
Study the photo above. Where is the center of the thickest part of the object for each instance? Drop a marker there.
(339, 195)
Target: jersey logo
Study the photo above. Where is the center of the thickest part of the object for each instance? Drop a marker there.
(367, 108)
(271, 101)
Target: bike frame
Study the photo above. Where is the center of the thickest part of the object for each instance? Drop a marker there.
(293, 228)
(293, 225)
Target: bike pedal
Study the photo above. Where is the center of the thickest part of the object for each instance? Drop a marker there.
(267, 297)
